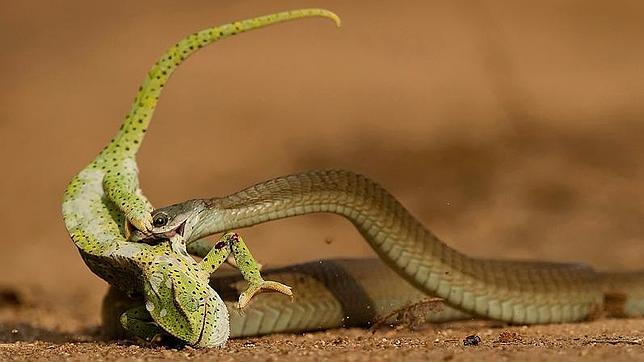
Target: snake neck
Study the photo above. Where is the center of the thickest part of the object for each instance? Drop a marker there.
(379, 217)
(399, 239)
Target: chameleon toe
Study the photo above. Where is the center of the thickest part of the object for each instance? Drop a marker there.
(263, 286)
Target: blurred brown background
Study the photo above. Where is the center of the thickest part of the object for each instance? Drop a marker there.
(512, 129)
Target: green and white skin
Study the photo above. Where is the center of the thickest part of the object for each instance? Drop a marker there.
(104, 203)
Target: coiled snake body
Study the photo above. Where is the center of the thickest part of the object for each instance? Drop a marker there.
(522, 292)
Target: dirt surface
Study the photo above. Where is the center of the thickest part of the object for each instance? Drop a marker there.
(512, 130)
(601, 341)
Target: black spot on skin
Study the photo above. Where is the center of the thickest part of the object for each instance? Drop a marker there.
(220, 245)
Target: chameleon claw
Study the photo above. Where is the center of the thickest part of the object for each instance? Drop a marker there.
(140, 222)
(139, 227)
(127, 228)
(263, 286)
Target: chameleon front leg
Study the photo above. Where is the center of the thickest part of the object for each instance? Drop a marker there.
(121, 186)
(233, 243)
(202, 247)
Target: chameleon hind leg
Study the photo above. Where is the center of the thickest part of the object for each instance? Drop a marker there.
(233, 243)
(137, 321)
(123, 317)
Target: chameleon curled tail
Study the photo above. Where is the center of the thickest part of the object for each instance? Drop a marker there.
(137, 120)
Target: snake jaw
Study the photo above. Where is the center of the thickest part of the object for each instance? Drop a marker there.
(135, 235)
(181, 229)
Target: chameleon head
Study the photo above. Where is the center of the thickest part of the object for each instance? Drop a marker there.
(179, 299)
(178, 219)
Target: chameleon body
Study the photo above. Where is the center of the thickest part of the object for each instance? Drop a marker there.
(103, 203)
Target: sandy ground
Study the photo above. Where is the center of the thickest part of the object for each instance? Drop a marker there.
(512, 130)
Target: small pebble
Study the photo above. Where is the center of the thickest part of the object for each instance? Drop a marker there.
(472, 340)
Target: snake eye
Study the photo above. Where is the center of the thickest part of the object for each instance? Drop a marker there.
(160, 219)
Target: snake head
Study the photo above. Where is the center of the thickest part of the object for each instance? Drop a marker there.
(179, 299)
(167, 222)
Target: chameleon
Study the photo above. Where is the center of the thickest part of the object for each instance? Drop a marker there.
(103, 204)
(518, 292)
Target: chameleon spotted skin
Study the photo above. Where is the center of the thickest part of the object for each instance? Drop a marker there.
(105, 194)
(177, 295)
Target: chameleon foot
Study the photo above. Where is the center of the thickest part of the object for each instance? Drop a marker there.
(137, 222)
(141, 220)
(263, 286)
(121, 187)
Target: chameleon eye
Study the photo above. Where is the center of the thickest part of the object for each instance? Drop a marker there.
(160, 219)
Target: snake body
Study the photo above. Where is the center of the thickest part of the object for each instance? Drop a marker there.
(329, 294)
(517, 292)
(349, 293)
(522, 292)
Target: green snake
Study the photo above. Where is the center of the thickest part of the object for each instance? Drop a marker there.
(521, 292)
